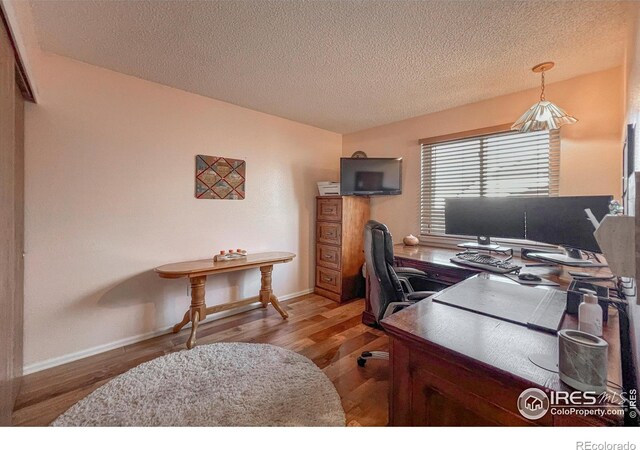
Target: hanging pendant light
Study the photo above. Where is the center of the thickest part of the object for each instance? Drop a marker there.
(544, 115)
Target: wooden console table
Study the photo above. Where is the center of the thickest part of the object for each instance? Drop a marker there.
(197, 272)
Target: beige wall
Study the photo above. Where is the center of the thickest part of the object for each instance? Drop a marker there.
(591, 152)
(109, 194)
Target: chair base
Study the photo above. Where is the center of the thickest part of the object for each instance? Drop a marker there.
(365, 356)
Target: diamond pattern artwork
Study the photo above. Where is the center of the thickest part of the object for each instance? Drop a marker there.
(220, 178)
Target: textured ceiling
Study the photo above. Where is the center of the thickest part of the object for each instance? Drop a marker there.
(339, 65)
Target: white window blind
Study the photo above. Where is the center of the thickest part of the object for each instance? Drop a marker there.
(495, 165)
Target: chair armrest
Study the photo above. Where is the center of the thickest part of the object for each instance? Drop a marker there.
(412, 299)
(391, 307)
(412, 274)
(408, 270)
(420, 295)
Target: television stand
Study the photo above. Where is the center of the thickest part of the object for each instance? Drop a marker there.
(579, 254)
(476, 246)
(484, 243)
(489, 248)
(572, 257)
(565, 260)
(573, 253)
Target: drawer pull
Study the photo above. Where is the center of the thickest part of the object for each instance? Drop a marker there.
(329, 257)
(327, 279)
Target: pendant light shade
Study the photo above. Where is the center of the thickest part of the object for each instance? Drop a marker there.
(543, 115)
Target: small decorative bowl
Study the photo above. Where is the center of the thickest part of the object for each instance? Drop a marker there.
(410, 240)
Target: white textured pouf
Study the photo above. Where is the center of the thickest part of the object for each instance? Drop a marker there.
(229, 384)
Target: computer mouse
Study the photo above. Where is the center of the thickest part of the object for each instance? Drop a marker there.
(529, 277)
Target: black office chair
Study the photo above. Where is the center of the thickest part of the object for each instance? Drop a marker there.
(390, 289)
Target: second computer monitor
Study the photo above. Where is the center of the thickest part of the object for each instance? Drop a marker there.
(563, 221)
(490, 217)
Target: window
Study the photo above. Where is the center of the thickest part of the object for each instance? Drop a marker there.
(493, 165)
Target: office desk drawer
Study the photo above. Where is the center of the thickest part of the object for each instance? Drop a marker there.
(329, 233)
(328, 256)
(328, 279)
(329, 209)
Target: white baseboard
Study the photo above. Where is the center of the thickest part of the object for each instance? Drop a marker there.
(59, 360)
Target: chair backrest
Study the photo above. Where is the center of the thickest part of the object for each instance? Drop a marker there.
(384, 286)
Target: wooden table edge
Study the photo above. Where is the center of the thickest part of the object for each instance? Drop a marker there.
(211, 271)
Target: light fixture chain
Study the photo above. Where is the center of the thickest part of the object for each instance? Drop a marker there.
(542, 92)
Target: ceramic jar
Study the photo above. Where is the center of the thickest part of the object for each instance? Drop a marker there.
(410, 240)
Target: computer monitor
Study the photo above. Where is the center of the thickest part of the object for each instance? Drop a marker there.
(485, 217)
(563, 221)
(552, 220)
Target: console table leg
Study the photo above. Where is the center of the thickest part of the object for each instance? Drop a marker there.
(185, 320)
(265, 285)
(198, 309)
(276, 304)
(195, 320)
(266, 291)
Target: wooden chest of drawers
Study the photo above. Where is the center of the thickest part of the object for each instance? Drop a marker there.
(339, 246)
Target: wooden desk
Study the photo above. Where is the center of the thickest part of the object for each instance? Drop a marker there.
(197, 272)
(455, 367)
(436, 263)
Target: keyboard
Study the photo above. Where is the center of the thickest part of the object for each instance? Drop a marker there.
(485, 262)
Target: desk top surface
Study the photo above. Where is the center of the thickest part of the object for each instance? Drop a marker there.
(208, 266)
(441, 257)
(493, 343)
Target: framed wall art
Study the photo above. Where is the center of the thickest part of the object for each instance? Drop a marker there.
(220, 178)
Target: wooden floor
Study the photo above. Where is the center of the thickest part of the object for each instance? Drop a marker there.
(329, 334)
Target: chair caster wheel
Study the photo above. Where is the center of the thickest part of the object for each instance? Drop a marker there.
(361, 361)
